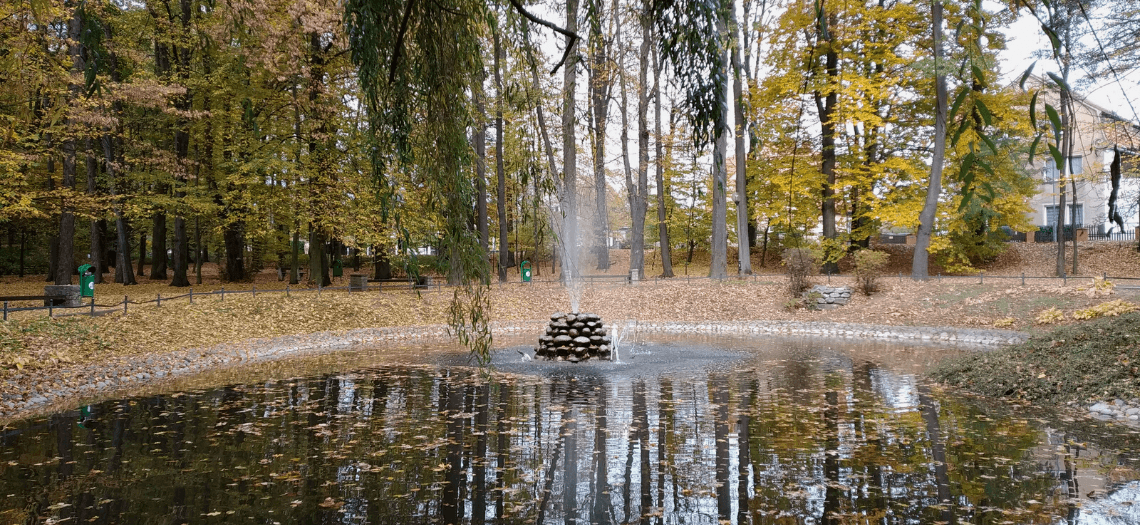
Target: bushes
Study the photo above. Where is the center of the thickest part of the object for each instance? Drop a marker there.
(802, 263)
(869, 265)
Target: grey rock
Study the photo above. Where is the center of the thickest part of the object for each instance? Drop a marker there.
(557, 316)
(582, 340)
(563, 339)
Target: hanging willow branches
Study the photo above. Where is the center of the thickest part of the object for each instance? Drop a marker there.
(416, 62)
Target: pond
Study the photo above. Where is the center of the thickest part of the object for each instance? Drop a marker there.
(698, 430)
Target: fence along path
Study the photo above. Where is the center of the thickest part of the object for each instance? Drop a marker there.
(93, 308)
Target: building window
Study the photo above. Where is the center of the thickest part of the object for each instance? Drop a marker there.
(1076, 166)
(1076, 214)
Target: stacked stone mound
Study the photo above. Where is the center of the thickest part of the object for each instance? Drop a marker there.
(574, 337)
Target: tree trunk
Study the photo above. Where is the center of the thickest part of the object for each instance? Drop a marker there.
(501, 205)
(65, 255)
(1062, 172)
(638, 198)
(294, 247)
(743, 219)
(825, 104)
(600, 86)
(718, 267)
(568, 190)
(142, 252)
(200, 253)
(662, 226)
(95, 256)
(181, 253)
(158, 242)
(234, 239)
(479, 144)
(919, 269)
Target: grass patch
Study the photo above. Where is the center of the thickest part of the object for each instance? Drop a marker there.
(1097, 359)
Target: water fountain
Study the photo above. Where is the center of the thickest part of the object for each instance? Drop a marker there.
(574, 337)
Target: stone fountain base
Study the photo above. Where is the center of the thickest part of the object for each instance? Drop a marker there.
(574, 337)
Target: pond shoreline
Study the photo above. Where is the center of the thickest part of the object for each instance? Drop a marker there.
(34, 392)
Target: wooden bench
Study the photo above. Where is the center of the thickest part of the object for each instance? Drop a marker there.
(602, 278)
(425, 282)
(45, 298)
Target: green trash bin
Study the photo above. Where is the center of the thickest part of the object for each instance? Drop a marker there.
(526, 271)
(87, 280)
(338, 268)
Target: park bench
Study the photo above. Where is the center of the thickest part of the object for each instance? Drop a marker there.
(45, 298)
(603, 278)
(424, 282)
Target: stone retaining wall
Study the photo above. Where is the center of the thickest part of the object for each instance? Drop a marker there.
(43, 392)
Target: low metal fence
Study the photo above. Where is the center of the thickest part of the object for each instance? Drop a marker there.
(93, 308)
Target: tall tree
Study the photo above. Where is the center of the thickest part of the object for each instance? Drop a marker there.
(743, 219)
(639, 192)
(601, 84)
(65, 253)
(666, 249)
(504, 245)
(920, 263)
(568, 188)
(718, 265)
(826, 96)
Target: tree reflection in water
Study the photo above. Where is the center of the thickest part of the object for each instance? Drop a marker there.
(784, 441)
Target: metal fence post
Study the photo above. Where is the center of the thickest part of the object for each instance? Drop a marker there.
(286, 290)
(124, 305)
(158, 300)
(5, 310)
(223, 293)
(255, 290)
(1023, 278)
(191, 295)
(51, 306)
(319, 290)
(92, 306)
(981, 277)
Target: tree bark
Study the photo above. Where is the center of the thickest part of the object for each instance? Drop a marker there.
(501, 190)
(65, 254)
(158, 243)
(638, 194)
(919, 269)
(718, 267)
(96, 248)
(234, 239)
(600, 86)
(568, 190)
(479, 140)
(743, 219)
(666, 249)
(825, 104)
(142, 253)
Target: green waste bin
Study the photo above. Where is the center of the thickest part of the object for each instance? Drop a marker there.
(87, 280)
(338, 268)
(526, 271)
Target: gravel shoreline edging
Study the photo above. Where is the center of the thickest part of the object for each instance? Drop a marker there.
(25, 394)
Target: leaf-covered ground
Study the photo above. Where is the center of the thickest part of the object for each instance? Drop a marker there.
(1098, 359)
(31, 343)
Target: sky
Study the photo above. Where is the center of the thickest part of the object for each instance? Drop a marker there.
(1025, 36)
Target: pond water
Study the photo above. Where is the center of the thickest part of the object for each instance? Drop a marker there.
(703, 430)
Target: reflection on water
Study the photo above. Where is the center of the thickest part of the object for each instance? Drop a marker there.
(790, 434)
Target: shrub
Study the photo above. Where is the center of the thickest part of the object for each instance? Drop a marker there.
(869, 266)
(1004, 322)
(802, 263)
(1050, 316)
(1108, 309)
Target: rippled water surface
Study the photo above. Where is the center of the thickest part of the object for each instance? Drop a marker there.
(691, 431)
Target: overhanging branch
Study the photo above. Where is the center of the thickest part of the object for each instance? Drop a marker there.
(569, 34)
